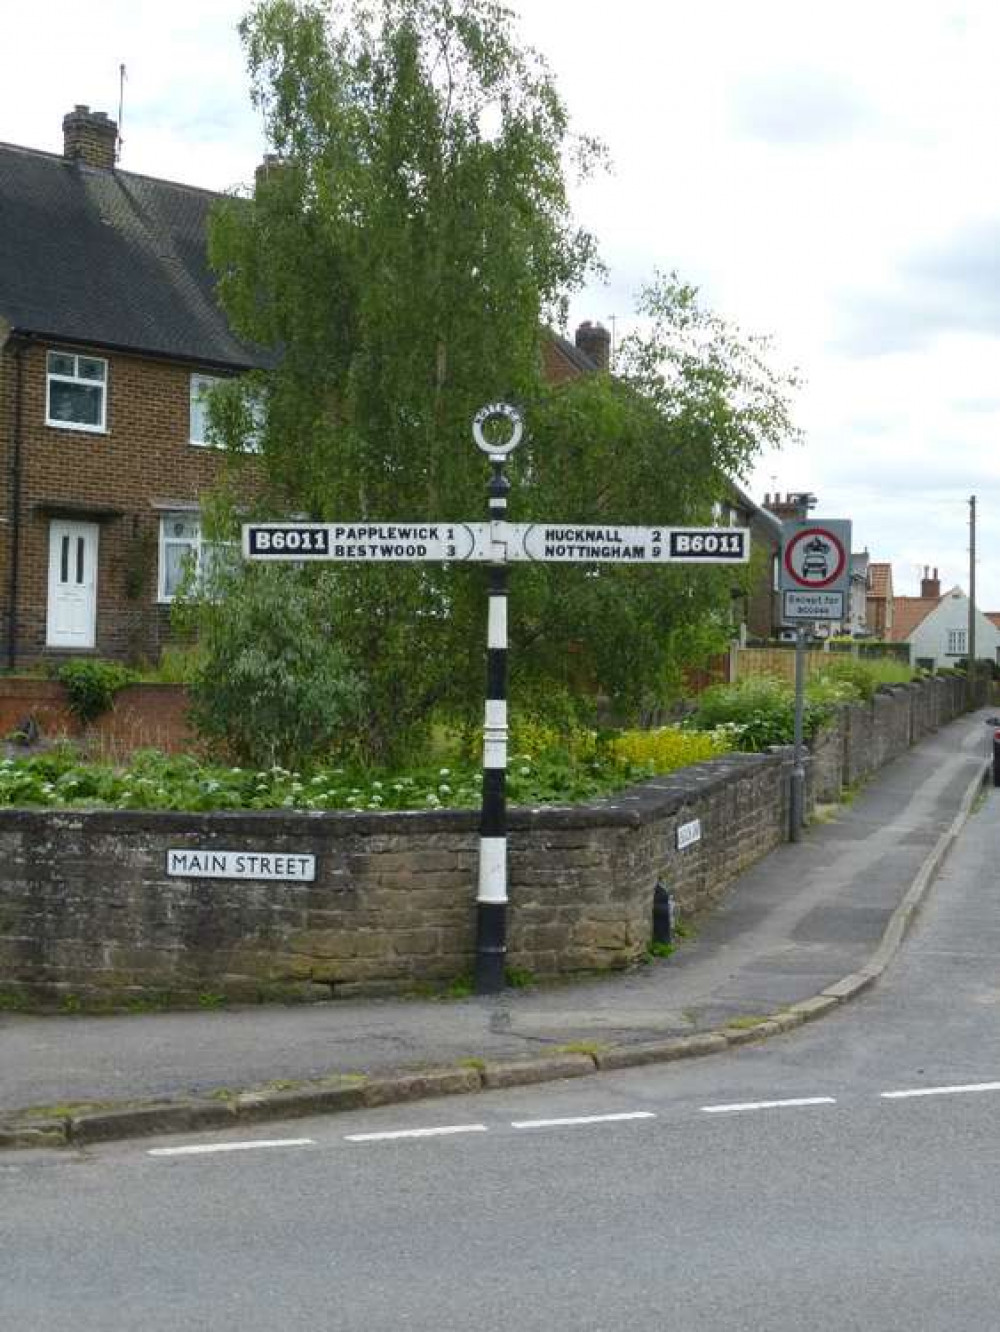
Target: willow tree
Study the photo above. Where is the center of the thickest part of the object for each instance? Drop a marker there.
(405, 251)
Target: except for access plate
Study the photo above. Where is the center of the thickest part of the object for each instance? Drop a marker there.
(813, 606)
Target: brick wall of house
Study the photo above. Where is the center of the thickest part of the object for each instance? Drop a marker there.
(142, 716)
(114, 479)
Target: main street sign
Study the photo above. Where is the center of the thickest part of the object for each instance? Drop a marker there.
(497, 542)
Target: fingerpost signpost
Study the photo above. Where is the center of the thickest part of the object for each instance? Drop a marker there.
(814, 581)
(498, 544)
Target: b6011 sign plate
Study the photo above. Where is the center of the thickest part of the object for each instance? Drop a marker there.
(608, 543)
(368, 542)
(499, 542)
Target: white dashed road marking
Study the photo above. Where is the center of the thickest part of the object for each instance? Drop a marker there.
(940, 1091)
(580, 1119)
(737, 1106)
(204, 1148)
(443, 1131)
(570, 1121)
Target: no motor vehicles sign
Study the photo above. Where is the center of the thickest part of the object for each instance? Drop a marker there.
(815, 556)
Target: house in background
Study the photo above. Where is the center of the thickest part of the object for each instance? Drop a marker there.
(880, 604)
(856, 623)
(109, 336)
(936, 626)
(756, 612)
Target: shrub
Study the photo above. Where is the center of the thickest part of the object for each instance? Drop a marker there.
(669, 747)
(270, 684)
(760, 712)
(91, 685)
(865, 675)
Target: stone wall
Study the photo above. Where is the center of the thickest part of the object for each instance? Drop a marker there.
(88, 909)
(866, 736)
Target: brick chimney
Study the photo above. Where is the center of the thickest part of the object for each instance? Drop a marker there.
(89, 137)
(793, 508)
(930, 587)
(594, 341)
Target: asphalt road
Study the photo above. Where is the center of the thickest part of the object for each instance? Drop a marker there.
(844, 1176)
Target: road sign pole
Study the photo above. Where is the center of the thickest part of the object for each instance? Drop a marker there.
(797, 791)
(491, 897)
(494, 543)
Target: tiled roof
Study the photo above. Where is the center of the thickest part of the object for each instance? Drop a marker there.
(993, 617)
(908, 613)
(563, 360)
(880, 580)
(111, 259)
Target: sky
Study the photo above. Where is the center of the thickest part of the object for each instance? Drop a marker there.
(824, 172)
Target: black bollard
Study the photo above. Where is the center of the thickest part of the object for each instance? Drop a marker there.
(663, 914)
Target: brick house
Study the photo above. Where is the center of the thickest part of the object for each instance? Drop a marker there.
(881, 603)
(109, 334)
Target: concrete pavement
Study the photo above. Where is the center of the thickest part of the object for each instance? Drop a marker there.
(803, 930)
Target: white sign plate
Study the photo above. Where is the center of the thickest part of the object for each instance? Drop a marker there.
(610, 543)
(370, 542)
(688, 834)
(193, 863)
(496, 542)
(813, 606)
(816, 556)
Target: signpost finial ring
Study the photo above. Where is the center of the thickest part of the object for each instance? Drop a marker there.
(491, 412)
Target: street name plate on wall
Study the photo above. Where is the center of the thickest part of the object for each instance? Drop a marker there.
(195, 864)
(688, 834)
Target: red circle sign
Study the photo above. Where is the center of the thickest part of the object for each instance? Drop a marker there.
(815, 557)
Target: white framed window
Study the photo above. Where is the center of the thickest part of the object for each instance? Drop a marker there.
(76, 391)
(201, 435)
(956, 642)
(183, 549)
(201, 387)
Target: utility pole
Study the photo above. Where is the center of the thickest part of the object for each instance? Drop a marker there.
(972, 591)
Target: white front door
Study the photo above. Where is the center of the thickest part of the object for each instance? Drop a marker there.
(72, 617)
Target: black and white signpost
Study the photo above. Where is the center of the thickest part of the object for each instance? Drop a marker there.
(497, 543)
(491, 897)
(814, 582)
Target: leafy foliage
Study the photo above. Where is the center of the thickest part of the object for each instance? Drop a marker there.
(760, 712)
(558, 771)
(91, 685)
(268, 683)
(405, 252)
(865, 675)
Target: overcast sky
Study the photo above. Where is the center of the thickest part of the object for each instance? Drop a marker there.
(825, 172)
